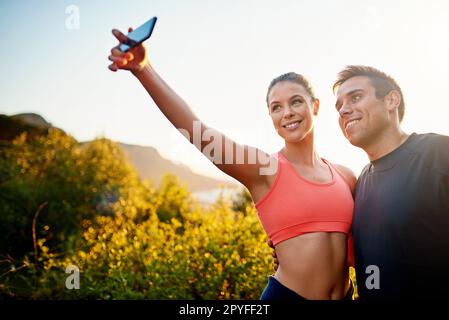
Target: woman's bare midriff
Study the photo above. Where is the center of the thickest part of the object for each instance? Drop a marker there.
(314, 265)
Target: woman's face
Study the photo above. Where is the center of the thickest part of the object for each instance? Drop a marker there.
(291, 109)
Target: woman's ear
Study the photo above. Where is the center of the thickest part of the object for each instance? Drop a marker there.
(316, 106)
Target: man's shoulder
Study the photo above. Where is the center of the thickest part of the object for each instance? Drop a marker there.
(365, 170)
(432, 141)
(433, 149)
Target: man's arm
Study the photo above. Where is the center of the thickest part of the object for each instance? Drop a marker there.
(273, 253)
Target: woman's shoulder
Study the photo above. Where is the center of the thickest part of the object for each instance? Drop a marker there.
(347, 174)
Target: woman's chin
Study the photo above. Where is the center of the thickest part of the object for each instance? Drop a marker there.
(296, 137)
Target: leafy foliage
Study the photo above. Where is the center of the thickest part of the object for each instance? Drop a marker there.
(129, 239)
(63, 203)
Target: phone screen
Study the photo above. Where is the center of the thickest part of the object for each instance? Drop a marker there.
(138, 35)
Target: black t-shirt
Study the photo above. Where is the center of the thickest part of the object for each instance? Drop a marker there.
(401, 222)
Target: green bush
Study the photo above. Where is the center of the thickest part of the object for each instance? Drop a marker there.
(62, 204)
(129, 240)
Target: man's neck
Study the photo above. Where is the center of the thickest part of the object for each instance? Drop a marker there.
(386, 143)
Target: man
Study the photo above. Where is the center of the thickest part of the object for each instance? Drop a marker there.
(401, 216)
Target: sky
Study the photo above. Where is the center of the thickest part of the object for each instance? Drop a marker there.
(220, 57)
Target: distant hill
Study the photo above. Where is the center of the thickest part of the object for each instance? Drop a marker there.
(32, 119)
(147, 160)
(12, 126)
(151, 165)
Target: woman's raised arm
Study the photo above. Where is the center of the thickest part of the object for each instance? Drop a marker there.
(246, 164)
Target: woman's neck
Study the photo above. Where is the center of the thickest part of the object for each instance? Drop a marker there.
(302, 152)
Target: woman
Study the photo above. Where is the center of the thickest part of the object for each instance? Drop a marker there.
(305, 206)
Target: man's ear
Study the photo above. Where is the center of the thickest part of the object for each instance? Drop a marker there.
(316, 106)
(393, 100)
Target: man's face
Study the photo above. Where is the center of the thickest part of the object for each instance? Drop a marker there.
(363, 118)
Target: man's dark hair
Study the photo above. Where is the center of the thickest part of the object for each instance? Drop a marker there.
(296, 78)
(381, 82)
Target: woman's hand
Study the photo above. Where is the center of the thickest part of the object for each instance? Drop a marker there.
(134, 60)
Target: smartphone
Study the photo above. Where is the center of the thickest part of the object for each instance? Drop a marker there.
(138, 35)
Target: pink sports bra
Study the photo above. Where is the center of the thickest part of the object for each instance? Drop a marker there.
(294, 205)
